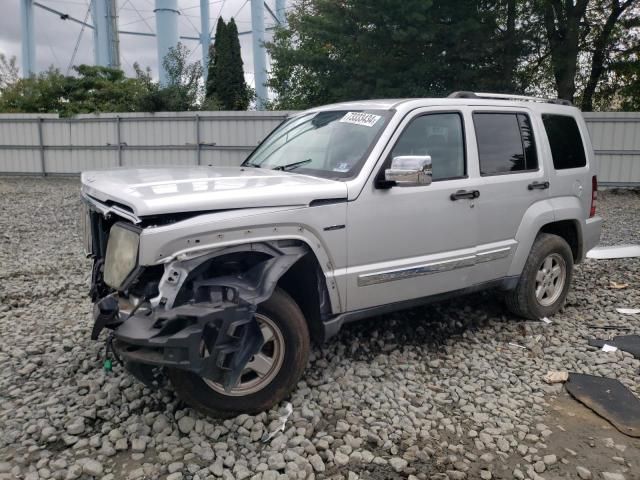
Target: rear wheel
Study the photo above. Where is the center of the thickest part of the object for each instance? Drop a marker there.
(545, 280)
(270, 375)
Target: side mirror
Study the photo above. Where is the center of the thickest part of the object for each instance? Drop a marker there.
(410, 171)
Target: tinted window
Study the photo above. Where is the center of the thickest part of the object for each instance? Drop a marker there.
(565, 141)
(440, 136)
(505, 143)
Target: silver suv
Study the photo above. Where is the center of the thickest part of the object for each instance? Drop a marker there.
(222, 277)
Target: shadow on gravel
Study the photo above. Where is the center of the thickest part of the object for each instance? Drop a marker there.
(431, 325)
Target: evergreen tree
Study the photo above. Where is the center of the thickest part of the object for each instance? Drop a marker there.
(217, 54)
(333, 51)
(226, 87)
(239, 94)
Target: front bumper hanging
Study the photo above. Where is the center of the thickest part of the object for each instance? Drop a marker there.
(214, 341)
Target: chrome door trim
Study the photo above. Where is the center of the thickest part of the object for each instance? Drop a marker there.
(434, 267)
(415, 271)
(494, 254)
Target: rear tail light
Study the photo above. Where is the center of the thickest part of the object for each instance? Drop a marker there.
(594, 195)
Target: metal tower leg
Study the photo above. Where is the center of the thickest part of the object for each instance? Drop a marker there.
(280, 11)
(259, 55)
(166, 32)
(205, 37)
(28, 41)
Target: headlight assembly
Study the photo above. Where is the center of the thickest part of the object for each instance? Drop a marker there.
(122, 254)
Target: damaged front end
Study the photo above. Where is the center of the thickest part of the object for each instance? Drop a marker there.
(191, 314)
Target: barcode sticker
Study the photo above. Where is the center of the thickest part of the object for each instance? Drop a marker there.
(360, 118)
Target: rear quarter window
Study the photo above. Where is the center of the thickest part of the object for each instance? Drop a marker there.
(505, 143)
(565, 141)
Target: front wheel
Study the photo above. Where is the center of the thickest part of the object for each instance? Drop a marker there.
(270, 375)
(544, 283)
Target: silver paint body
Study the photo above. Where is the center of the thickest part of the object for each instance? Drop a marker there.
(399, 243)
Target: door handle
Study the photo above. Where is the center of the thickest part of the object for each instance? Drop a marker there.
(538, 186)
(470, 194)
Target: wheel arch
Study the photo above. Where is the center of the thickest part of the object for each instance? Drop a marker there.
(304, 279)
(559, 216)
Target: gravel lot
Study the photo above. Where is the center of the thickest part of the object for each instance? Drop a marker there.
(434, 393)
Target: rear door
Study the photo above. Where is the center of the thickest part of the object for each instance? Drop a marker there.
(513, 177)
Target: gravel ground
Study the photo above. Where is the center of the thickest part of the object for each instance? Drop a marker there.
(433, 393)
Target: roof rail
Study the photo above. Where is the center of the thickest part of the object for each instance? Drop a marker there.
(508, 96)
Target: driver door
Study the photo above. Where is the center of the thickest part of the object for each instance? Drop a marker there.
(407, 242)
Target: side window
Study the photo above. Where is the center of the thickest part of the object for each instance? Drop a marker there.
(439, 135)
(565, 141)
(505, 143)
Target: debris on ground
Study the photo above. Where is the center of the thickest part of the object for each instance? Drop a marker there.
(618, 286)
(627, 343)
(628, 311)
(282, 421)
(556, 377)
(617, 251)
(609, 398)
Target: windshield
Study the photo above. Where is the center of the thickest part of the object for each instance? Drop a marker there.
(330, 144)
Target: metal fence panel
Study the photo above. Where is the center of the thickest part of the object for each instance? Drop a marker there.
(616, 141)
(34, 144)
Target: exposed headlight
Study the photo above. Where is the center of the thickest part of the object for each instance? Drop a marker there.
(122, 254)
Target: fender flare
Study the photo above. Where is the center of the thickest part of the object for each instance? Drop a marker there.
(255, 286)
(535, 218)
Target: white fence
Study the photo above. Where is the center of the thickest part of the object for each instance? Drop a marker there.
(37, 144)
(51, 145)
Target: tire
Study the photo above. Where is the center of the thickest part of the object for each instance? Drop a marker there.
(283, 312)
(524, 300)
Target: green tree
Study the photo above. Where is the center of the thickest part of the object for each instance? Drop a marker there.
(589, 48)
(217, 55)
(92, 89)
(46, 92)
(239, 94)
(226, 86)
(183, 90)
(332, 51)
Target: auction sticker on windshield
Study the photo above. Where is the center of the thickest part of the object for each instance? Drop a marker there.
(360, 118)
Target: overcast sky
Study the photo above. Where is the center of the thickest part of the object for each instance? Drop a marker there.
(56, 39)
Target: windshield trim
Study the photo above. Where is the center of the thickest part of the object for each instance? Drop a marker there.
(386, 114)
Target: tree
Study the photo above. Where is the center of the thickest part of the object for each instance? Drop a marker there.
(93, 89)
(226, 86)
(583, 40)
(239, 94)
(614, 48)
(9, 72)
(332, 51)
(46, 92)
(217, 56)
(183, 91)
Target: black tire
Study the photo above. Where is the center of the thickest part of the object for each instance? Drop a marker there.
(522, 300)
(286, 314)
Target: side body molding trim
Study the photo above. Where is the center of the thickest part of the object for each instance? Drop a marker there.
(429, 268)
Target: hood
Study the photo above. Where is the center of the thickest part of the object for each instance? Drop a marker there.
(155, 191)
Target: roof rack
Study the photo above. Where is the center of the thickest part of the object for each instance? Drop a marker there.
(508, 96)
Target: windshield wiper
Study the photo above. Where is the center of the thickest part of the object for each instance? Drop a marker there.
(291, 166)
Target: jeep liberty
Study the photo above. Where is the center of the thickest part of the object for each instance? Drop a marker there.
(221, 277)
